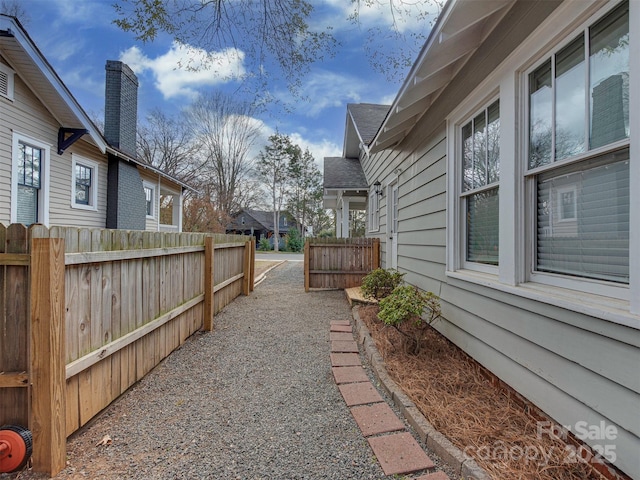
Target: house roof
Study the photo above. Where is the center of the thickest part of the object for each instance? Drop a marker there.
(367, 118)
(344, 174)
(120, 154)
(264, 218)
(23, 56)
(343, 177)
(461, 28)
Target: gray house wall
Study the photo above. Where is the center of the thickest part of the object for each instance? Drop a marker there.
(573, 366)
(126, 203)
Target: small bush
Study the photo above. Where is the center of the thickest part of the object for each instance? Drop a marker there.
(379, 283)
(408, 304)
(264, 244)
(293, 241)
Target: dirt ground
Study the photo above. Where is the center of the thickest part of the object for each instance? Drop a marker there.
(264, 265)
(480, 419)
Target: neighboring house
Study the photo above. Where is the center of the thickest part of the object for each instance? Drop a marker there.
(345, 185)
(56, 168)
(509, 172)
(259, 224)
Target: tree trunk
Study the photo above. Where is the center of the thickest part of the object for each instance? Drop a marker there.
(276, 230)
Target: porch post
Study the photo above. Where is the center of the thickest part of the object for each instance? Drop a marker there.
(345, 218)
(177, 211)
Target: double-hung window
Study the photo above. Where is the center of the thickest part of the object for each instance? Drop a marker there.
(84, 192)
(150, 199)
(29, 181)
(480, 154)
(578, 155)
(30, 159)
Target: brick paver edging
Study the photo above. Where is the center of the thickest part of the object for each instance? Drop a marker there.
(464, 466)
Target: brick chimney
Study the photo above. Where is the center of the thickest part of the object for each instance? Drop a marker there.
(126, 202)
(121, 107)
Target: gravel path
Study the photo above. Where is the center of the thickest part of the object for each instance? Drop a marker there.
(254, 399)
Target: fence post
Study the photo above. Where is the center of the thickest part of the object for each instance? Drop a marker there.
(253, 264)
(246, 288)
(48, 362)
(307, 251)
(376, 253)
(209, 284)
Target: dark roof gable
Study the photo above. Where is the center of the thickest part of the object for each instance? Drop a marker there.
(344, 173)
(367, 118)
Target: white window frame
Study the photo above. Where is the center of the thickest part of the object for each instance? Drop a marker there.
(456, 228)
(93, 191)
(154, 199)
(591, 286)
(560, 192)
(43, 197)
(510, 78)
(374, 212)
(10, 74)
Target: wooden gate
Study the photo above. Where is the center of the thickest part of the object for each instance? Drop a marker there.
(339, 262)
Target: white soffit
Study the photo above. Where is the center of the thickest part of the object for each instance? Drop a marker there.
(25, 58)
(462, 27)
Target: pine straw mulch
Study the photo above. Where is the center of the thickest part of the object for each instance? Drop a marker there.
(462, 404)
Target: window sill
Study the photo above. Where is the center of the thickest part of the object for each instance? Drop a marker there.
(79, 206)
(606, 308)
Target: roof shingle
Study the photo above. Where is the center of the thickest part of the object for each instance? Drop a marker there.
(344, 173)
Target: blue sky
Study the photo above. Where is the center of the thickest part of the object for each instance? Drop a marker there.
(78, 37)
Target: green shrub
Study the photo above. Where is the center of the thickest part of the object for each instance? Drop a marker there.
(264, 244)
(409, 311)
(379, 283)
(293, 241)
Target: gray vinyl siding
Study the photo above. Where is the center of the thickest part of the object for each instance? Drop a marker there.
(28, 116)
(61, 211)
(574, 367)
(5, 159)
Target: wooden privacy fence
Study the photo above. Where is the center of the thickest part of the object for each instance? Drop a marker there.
(339, 262)
(84, 314)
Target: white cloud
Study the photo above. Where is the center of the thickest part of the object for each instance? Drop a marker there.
(84, 78)
(319, 149)
(183, 69)
(405, 15)
(87, 12)
(326, 89)
(388, 99)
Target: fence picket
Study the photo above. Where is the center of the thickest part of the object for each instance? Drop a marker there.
(339, 262)
(155, 299)
(14, 315)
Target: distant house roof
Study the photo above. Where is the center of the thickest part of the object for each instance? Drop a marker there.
(344, 174)
(263, 218)
(362, 124)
